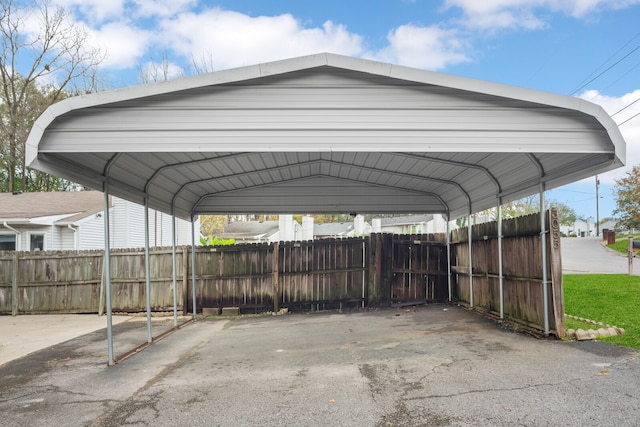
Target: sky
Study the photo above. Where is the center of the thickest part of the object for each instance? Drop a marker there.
(584, 48)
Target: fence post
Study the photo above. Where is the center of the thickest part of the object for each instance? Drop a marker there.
(185, 281)
(14, 285)
(276, 287)
(373, 297)
(630, 254)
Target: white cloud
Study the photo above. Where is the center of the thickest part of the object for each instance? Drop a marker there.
(233, 39)
(94, 11)
(629, 130)
(423, 47)
(124, 44)
(495, 14)
(162, 7)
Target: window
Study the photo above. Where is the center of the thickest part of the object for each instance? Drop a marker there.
(7, 242)
(36, 242)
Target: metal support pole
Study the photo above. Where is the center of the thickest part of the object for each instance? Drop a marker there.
(193, 265)
(470, 261)
(545, 275)
(449, 257)
(500, 269)
(147, 269)
(174, 259)
(107, 273)
(597, 208)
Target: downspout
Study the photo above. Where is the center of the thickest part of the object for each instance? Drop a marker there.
(18, 233)
(75, 240)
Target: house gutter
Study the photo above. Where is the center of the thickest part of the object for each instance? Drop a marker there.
(11, 228)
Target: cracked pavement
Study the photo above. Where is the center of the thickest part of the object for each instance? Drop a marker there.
(433, 365)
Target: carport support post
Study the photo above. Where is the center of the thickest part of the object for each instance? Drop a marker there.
(501, 277)
(449, 256)
(174, 260)
(470, 234)
(107, 273)
(193, 265)
(147, 269)
(545, 276)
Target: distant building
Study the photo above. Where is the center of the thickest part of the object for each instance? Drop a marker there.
(74, 220)
(580, 228)
(410, 224)
(340, 230)
(281, 230)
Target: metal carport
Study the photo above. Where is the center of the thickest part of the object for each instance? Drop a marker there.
(324, 134)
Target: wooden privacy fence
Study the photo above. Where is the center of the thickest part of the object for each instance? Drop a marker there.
(72, 281)
(521, 270)
(380, 270)
(312, 274)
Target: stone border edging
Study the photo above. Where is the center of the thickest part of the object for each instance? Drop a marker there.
(591, 334)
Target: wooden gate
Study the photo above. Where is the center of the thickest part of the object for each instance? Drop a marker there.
(419, 269)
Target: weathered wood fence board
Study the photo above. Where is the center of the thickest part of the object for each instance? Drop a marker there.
(521, 269)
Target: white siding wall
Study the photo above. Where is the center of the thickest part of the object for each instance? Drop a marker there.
(68, 238)
(127, 227)
(91, 234)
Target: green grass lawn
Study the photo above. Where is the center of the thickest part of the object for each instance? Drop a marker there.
(620, 246)
(612, 299)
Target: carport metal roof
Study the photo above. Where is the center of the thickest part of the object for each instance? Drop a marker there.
(324, 134)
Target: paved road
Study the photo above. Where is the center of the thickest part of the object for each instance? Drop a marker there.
(430, 366)
(588, 255)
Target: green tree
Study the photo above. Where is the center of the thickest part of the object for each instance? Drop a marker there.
(628, 199)
(37, 68)
(566, 214)
(213, 225)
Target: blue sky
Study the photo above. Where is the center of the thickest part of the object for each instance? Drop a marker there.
(558, 46)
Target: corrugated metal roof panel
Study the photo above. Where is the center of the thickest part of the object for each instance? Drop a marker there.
(325, 134)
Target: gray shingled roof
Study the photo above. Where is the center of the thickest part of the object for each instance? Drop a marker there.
(27, 206)
(250, 229)
(404, 220)
(332, 228)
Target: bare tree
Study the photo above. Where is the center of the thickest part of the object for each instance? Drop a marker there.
(44, 56)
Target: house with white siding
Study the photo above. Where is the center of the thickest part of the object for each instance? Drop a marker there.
(410, 224)
(75, 221)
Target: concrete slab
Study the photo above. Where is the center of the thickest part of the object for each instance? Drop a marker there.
(22, 335)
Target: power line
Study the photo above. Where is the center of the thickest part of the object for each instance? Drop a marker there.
(632, 117)
(602, 65)
(607, 69)
(625, 107)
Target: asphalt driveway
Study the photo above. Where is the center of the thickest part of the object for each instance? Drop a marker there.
(588, 255)
(434, 365)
